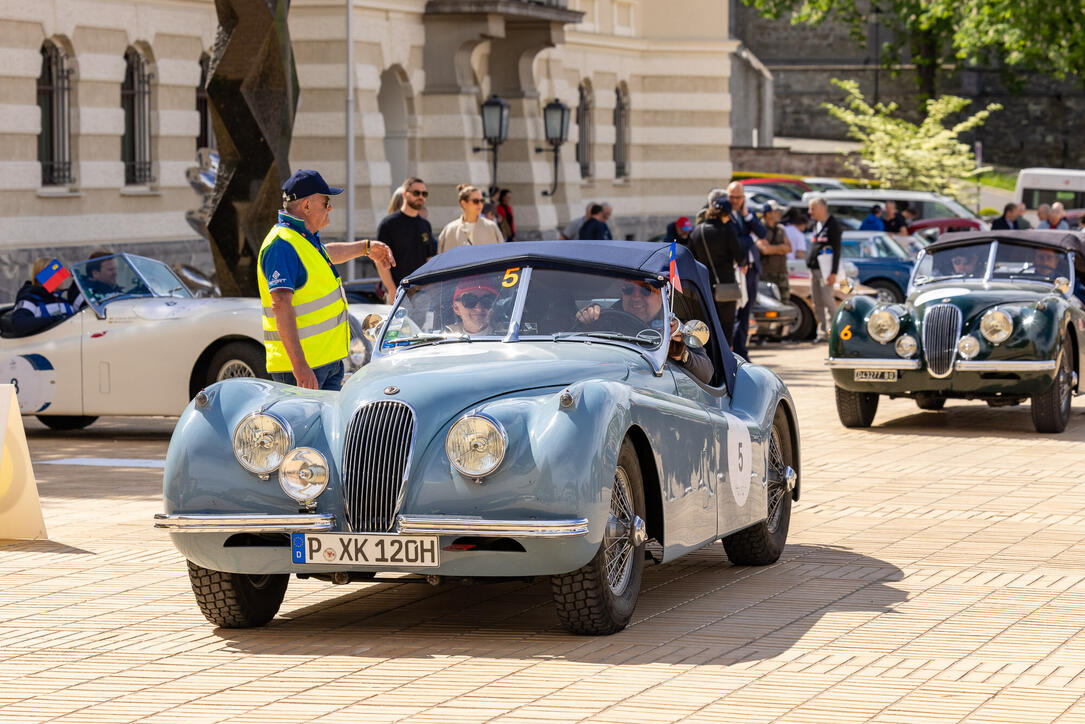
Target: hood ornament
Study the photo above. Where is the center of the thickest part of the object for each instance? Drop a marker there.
(391, 390)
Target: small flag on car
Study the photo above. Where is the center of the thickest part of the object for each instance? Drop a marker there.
(53, 275)
(675, 281)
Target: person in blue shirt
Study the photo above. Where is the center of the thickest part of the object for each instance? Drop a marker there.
(749, 229)
(873, 220)
(595, 227)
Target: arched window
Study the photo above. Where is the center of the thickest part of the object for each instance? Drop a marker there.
(621, 133)
(54, 100)
(206, 137)
(136, 102)
(583, 125)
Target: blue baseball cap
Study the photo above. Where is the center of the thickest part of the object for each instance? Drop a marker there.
(306, 182)
(722, 204)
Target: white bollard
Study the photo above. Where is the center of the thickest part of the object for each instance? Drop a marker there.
(20, 510)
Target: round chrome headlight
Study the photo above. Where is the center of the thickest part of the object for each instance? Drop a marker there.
(906, 346)
(304, 474)
(883, 325)
(996, 326)
(968, 347)
(261, 441)
(476, 445)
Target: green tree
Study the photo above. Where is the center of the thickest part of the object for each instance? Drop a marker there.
(925, 28)
(928, 156)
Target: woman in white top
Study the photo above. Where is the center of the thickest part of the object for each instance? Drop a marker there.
(471, 227)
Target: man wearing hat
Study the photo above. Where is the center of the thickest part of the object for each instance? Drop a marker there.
(679, 231)
(714, 243)
(774, 249)
(306, 332)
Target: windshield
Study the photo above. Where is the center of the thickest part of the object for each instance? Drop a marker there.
(1012, 261)
(123, 276)
(557, 305)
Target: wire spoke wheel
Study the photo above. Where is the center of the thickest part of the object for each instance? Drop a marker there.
(777, 488)
(235, 368)
(617, 546)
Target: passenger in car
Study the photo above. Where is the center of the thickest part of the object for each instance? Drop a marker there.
(473, 303)
(35, 306)
(964, 262)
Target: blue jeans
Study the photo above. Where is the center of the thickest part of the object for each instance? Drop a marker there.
(742, 316)
(328, 377)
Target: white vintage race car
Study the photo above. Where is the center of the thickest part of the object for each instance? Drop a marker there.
(143, 345)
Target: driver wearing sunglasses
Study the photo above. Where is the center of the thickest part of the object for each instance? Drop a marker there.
(638, 298)
(473, 303)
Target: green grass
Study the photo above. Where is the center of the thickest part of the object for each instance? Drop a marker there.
(999, 180)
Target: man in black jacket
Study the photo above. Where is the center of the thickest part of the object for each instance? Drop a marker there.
(595, 227)
(1008, 218)
(826, 240)
(715, 244)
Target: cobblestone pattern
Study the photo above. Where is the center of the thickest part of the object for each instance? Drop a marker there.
(935, 572)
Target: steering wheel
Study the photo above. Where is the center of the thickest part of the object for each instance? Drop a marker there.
(620, 321)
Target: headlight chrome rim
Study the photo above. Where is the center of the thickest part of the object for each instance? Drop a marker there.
(304, 492)
(968, 347)
(996, 317)
(502, 436)
(893, 329)
(283, 425)
(906, 346)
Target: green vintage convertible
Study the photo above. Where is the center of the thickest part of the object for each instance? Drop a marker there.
(994, 316)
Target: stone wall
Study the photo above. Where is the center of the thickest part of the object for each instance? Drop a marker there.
(785, 160)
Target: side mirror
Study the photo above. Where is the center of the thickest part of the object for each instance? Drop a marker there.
(371, 326)
(1061, 285)
(695, 334)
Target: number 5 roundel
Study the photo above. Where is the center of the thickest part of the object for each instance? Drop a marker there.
(739, 458)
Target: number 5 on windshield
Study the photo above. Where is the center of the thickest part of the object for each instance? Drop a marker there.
(511, 278)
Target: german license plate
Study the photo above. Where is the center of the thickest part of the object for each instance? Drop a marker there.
(366, 549)
(875, 375)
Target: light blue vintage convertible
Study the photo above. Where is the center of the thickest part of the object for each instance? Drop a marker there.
(522, 416)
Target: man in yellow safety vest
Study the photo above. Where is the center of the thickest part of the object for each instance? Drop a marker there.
(306, 332)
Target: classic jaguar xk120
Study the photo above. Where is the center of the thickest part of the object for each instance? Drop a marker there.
(994, 316)
(521, 417)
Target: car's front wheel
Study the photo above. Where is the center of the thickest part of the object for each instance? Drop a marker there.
(856, 409)
(237, 600)
(66, 422)
(1051, 408)
(599, 597)
(763, 542)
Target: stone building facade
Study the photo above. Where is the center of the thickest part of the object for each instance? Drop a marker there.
(1038, 126)
(114, 92)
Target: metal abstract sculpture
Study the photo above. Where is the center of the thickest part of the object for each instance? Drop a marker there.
(252, 90)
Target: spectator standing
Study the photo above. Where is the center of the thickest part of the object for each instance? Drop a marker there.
(679, 230)
(1042, 214)
(893, 220)
(572, 229)
(700, 217)
(1021, 222)
(910, 217)
(504, 211)
(1008, 218)
(795, 228)
(607, 211)
(748, 227)
(873, 220)
(774, 249)
(471, 228)
(1057, 218)
(827, 235)
(595, 229)
(489, 211)
(396, 202)
(407, 233)
(714, 243)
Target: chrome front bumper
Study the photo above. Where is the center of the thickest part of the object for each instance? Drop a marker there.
(405, 524)
(860, 363)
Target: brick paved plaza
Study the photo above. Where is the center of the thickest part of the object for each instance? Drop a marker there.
(935, 572)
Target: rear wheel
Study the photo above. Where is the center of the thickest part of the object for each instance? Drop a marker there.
(1051, 408)
(599, 597)
(762, 543)
(887, 290)
(237, 600)
(930, 402)
(66, 422)
(856, 409)
(806, 328)
(236, 359)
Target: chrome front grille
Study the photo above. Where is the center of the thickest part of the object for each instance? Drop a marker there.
(376, 456)
(941, 330)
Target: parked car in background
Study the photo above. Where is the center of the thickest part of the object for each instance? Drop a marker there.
(989, 316)
(798, 278)
(882, 263)
(856, 203)
(775, 317)
(145, 348)
(538, 445)
(945, 226)
(761, 195)
(1036, 186)
(822, 183)
(788, 188)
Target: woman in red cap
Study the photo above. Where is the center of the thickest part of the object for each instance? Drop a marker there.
(473, 303)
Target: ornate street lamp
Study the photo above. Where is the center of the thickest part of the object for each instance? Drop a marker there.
(556, 128)
(495, 131)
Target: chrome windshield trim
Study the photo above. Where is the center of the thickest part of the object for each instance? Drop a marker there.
(513, 333)
(859, 363)
(1043, 365)
(243, 523)
(467, 525)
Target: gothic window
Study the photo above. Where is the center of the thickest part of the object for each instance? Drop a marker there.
(621, 133)
(583, 125)
(54, 101)
(136, 102)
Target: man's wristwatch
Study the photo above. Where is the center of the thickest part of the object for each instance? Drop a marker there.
(684, 359)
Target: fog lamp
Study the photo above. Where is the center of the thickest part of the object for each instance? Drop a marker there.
(906, 346)
(968, 347)
(304, 474)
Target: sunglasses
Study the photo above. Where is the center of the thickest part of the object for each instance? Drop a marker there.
(423, 194)
(470, 300)
(960, 260)
(644, 291)
(474, 201)
(327, 203)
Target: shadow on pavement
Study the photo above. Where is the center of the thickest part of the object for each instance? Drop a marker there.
(976, 419)
(40, 546)
(697, 610)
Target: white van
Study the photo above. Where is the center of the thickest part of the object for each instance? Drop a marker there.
(1037, 186)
